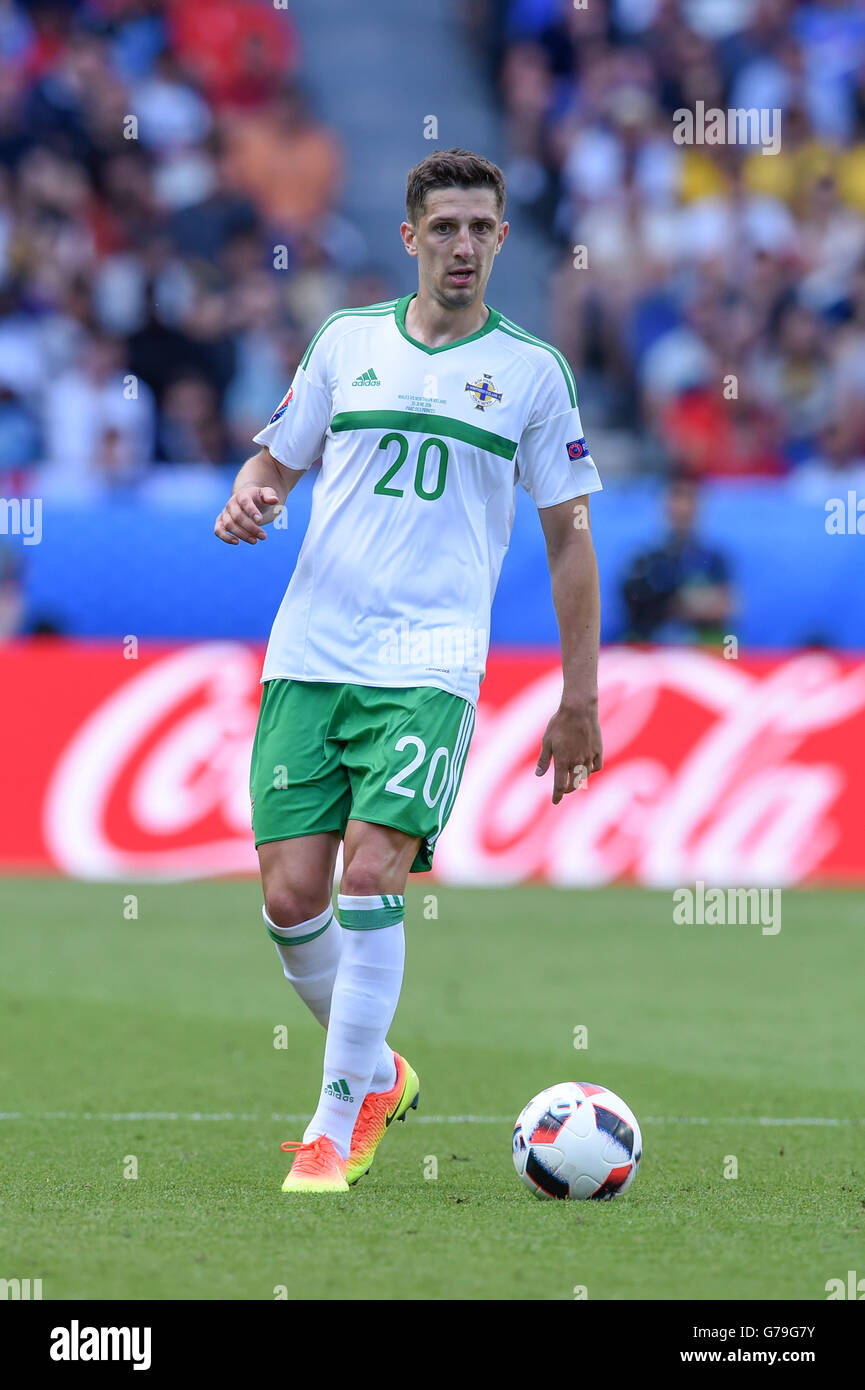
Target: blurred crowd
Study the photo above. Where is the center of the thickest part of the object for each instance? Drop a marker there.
(169, 233)
(711, 297)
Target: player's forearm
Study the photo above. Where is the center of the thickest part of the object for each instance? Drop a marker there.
(577, 601)
(262, 470)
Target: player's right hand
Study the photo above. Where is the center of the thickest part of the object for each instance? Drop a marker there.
(244, 514)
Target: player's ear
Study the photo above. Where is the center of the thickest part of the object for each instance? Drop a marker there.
(407, 232)
(503, 231)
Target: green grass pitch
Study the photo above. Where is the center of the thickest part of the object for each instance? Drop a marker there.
(117, 1033)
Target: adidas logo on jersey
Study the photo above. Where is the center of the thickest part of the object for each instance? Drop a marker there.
(367, 378)
(338, 1090)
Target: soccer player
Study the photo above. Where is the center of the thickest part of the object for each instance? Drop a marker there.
(426, 412)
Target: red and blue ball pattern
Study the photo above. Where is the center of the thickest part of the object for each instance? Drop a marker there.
(577, 1141)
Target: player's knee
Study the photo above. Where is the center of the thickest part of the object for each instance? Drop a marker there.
(363, 877)
(288, 906)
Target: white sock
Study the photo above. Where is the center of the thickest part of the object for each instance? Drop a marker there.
(310, 954)
(365, 996)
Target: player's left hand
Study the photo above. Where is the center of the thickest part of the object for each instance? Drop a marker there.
(572, 742)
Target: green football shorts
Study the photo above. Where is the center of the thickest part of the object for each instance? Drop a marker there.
(328, 753)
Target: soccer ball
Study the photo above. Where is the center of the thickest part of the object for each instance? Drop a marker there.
(577, 1141)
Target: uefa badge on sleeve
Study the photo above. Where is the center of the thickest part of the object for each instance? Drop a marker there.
(577, 449)
(282, 407)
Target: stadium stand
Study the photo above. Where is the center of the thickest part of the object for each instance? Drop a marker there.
(174, 226)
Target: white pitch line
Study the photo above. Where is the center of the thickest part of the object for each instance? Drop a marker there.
(228, 1116)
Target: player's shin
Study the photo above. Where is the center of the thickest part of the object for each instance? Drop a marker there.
(365, 996)
(310, 953)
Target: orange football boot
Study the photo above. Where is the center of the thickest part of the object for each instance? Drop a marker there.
(377, 1114)
(317, 1167)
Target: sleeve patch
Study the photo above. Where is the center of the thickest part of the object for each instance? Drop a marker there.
(283, 406)
(577, 449)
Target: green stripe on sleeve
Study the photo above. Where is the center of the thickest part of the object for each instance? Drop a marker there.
(514, 331)
(371, 310)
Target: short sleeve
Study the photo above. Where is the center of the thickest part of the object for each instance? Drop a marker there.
(553, 459)
(296, 430)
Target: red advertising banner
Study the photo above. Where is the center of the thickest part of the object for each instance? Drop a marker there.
(748, 771)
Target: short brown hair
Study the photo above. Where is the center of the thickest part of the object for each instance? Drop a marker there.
(451, 169)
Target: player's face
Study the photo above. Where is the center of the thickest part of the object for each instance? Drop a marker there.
(456, 240)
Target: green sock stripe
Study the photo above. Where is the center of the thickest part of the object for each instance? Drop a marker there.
(370, 919)
(298, 940)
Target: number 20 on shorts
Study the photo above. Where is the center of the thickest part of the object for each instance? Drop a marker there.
(438, 769)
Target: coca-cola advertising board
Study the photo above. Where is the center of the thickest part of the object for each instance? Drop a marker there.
(124, 763)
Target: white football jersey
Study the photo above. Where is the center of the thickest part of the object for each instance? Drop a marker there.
(421, 449)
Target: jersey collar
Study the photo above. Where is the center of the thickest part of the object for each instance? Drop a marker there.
(400, 313)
